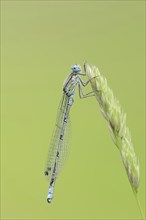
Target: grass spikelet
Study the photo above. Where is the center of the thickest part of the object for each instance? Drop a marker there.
(114, 114)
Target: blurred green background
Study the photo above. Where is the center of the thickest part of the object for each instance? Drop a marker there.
(40, 40)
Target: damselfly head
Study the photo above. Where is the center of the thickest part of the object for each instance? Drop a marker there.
(76, 68)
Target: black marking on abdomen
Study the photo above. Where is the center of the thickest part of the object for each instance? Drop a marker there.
(57, 154)
(65, 120)
(52, 181)
(61, 137)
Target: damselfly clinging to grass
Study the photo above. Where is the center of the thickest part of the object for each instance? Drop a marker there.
(57, 148)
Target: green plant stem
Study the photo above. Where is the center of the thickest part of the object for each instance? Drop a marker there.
(138, 203)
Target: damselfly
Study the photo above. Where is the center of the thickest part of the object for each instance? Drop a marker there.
(59, 142)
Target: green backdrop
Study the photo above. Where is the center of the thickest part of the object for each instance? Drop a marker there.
(40, 40)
